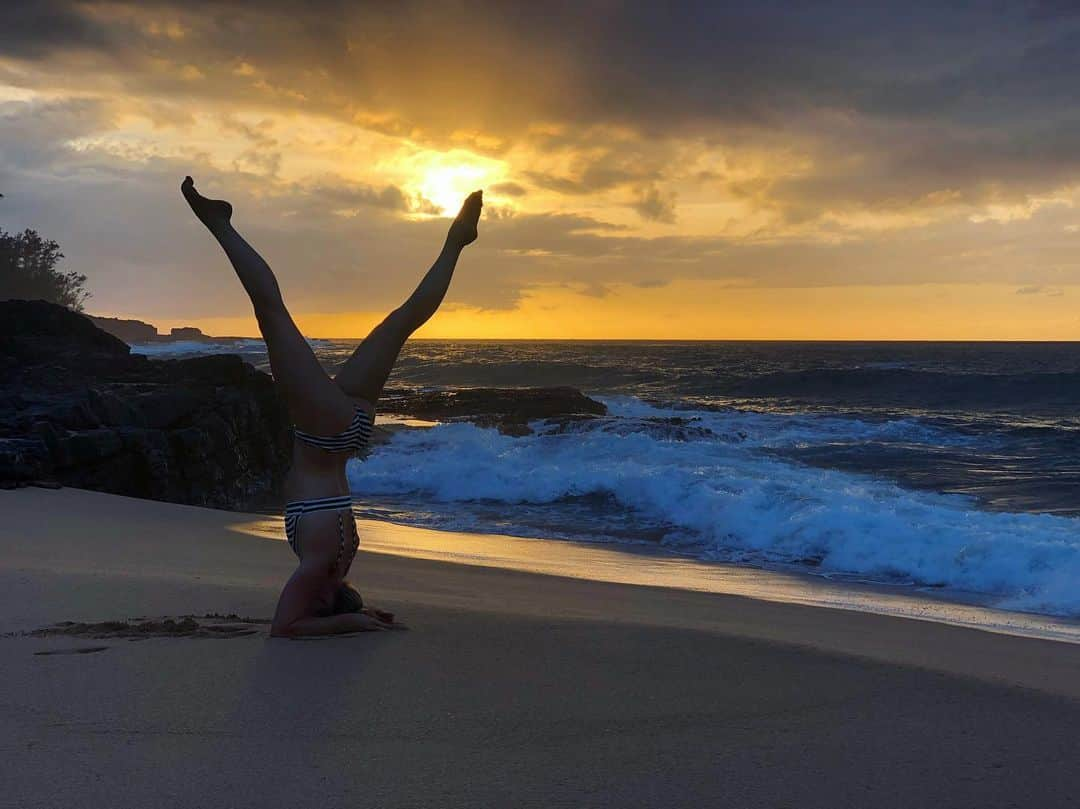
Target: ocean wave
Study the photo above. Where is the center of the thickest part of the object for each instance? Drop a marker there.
(966, 382)
(725, 495)
(910, 388)
(788, 430)
(179, 348)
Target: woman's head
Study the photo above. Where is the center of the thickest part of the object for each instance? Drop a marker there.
(347, 599)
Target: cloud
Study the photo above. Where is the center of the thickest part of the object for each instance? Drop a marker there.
(834, 144)
(34, 29)
(509, 189)
(655, 206)
(888, 110)
(257, 134)
(1054, 292)
(36, 134)
(333, 194)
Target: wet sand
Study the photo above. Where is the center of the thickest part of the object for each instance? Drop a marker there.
(511, 688)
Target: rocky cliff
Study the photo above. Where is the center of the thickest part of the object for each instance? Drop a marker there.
(130, 331)
(138, 331)
(77, 408)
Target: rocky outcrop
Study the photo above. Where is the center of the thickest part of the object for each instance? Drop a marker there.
(130, 331)
(186, 333)
(508, 409)
(77, 408)
(137, 331)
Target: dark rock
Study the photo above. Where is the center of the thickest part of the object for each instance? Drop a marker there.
(508, 409)
(23, 460)
(130, 331)
(76, 407)
(186, 333)
(51, 332)
(88, 447)
(166, 407)
(137, 331)
(74, 415)
(112, 410)
(48, 435)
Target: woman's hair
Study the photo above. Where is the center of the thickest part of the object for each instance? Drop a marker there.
(347, 599)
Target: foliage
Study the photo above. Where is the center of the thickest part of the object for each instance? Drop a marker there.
(28, 269)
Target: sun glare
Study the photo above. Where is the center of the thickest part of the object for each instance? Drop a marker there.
(447, 186)
(444, 179)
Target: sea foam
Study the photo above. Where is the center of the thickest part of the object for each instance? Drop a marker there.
(723, 494)
(183, 348)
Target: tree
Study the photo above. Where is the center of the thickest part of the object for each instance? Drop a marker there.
(28, 270)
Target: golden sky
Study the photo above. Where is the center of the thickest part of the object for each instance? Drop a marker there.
(805, 171)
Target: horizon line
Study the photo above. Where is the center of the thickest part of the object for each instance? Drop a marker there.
(212, 338)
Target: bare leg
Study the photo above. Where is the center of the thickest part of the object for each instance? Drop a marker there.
(314, 401)
(365, 372)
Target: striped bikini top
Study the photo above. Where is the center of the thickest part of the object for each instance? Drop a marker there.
(353, 439)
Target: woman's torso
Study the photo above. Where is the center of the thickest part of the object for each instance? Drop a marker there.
(318, 514)
(329, 535)
(315, 473)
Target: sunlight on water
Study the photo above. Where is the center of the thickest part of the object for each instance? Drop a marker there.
(656, 569)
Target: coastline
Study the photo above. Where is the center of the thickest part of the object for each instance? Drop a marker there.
(512, 687)
(211, 545)
(641, 566)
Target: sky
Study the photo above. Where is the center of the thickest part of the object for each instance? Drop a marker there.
(767, 170)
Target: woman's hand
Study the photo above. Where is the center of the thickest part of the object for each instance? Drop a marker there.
(365, 622)
(383, 615)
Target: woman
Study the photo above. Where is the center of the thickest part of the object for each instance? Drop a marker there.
(332, 420)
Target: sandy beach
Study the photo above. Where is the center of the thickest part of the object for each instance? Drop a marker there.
(512, 688)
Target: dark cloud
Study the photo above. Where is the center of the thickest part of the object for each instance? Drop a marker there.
(33, 29)
(509, 189)
(655, 206)
(973, 92)
(258, 134)
(1053, 292)
(597, 160)
(590, 178)
(335, 195)
(639, 63)
(904, 167)
(888, 109)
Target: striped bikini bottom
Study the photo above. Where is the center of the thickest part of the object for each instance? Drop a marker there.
(348, 539)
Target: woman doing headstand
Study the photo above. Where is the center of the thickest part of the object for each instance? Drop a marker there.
(332, 419)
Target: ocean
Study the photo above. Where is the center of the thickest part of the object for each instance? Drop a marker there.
(950, 467)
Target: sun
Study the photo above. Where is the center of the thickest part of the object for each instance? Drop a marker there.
(447, 186)
(444, 179)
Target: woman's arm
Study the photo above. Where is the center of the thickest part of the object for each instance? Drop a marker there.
(293, 617)
(335, 625)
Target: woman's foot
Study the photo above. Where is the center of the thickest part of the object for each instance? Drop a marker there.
(463, 228)
(214, 213)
